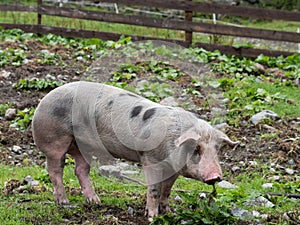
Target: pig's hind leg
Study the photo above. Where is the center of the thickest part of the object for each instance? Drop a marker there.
(55, 153)
(82, 170)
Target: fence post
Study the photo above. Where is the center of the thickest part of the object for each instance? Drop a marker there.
(39, 16)
(189, 34)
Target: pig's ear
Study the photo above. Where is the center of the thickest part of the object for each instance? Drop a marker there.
(186, 136)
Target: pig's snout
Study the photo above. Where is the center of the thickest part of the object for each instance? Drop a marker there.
(212, 179)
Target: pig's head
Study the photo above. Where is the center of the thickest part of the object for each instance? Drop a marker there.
(197, 148)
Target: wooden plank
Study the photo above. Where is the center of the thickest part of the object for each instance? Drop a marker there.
(18, 8)
(172, 24)
(202, 7)
(247, 52)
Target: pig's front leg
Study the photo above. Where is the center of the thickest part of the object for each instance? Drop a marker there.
(165, 193)
(82, 169)
(153, 195)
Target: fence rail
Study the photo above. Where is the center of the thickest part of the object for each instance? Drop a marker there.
(187, 24)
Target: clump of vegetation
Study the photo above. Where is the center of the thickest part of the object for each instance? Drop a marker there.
(162, 70)
(196, 210)
(37, 84)
(51, 59)
(10, 56)
(4, 107)
(154, 91)
(23, 119)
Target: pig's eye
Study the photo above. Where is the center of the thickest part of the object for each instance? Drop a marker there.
(198, 150)
(197, 155)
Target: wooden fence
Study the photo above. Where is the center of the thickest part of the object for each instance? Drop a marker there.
(187, 24)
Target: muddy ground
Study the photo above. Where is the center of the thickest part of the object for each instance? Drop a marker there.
(283, 151)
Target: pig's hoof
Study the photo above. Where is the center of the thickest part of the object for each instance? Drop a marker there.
(93, 200)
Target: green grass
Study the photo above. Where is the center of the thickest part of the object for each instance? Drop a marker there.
(21, 208)
(249, 96)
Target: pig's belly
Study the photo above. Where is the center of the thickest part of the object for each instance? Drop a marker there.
(120, 151)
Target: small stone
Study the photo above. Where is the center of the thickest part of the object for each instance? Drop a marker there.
(260, 201)
(178, 199)
(242, 163)
(255, 213)
(291, 162)
(30, 181)
(226, 185)
(235, 168)
(289, 171)
(30, 152)
(45, 51)
(275, 178)
(242, 213)
(123, 165)
(169, 101)
(225, 100)
(255, 119)
(260, 67)
(62, 77)
(267, 185)
(80, 58)
(16, 149)
(130, 210)
(108, 170)
(10, 114)
(50, 77)
(203, 195)
(4, 74)
(253, 163)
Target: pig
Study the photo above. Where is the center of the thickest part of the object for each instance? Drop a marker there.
(86, 119)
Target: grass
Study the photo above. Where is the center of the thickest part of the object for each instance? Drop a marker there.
(256, 96)
(21, 208)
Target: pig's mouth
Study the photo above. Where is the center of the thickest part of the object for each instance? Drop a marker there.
(213, 179)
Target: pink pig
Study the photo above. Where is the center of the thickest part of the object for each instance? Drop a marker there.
(86, 119)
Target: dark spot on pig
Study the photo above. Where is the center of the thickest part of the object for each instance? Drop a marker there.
(109, 104)
(136, 111)
(146, 134)
(59, 111)
(148, 114)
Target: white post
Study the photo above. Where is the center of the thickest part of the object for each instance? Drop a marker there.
(116, 8)
(215, 18)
